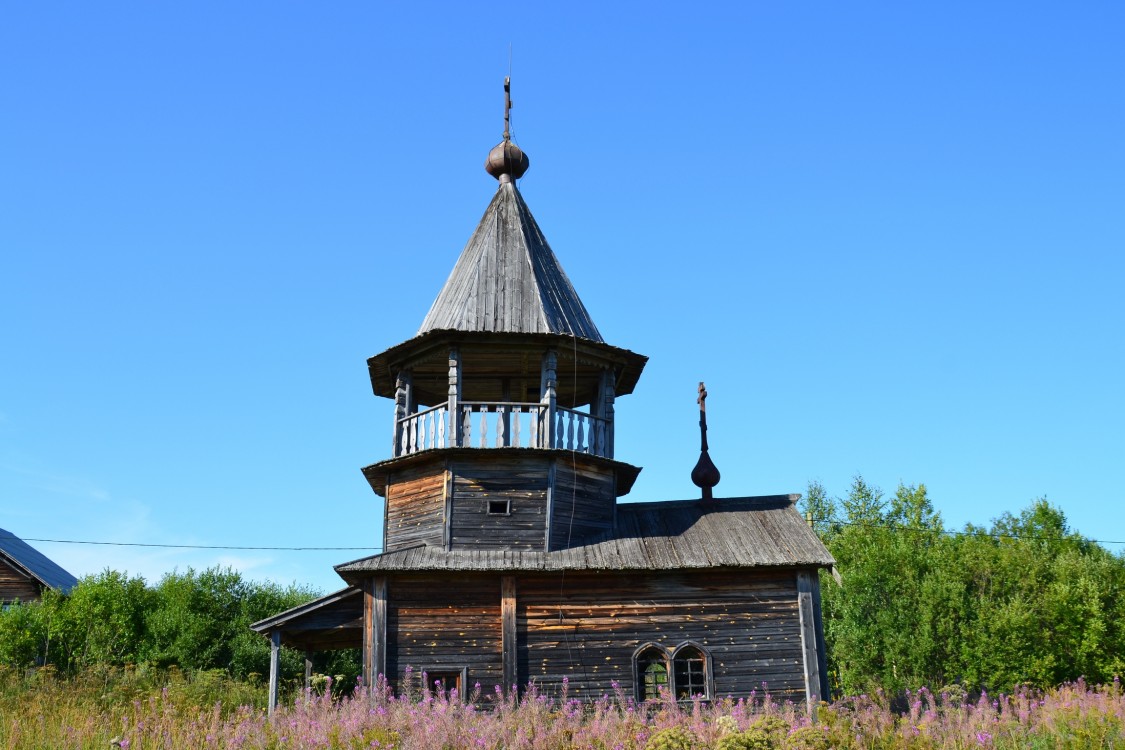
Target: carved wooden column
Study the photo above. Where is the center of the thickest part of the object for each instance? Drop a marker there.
(609, 383)
(548, 385)
(403, 382)
(455, 397)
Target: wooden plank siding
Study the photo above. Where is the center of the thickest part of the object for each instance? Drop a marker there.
(520, 482)
(415, 508)
(15, 584)
(582, 501)
(438, 623)
(587, 627)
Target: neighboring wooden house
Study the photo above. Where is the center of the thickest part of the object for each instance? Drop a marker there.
(25, 571)
(508, 559)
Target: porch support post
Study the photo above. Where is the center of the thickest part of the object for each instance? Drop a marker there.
(275, 666)
(454, 397)
(812, 641)
(308, 668)
(508, 632)
(548, 384)
(374, 629)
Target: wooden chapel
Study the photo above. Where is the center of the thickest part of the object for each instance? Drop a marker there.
(508, 559)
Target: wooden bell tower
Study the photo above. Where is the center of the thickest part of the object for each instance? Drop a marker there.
(503, 435)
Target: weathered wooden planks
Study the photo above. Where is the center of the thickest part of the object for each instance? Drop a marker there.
(415, 509)
(15, 584)
(587, 627)
(441, 624)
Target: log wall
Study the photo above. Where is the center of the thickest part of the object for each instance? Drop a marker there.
(587, 627)
(14, 584)
(442, 624)
(415, 508)
(520, 481)
(582, 502)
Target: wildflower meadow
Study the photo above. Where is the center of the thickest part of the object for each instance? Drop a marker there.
(41, 711)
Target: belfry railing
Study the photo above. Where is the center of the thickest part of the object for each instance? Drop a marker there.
(503, 424)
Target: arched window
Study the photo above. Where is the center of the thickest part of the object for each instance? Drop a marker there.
(690, 672)
(652, 672)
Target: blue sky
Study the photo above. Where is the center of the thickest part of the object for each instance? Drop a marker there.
(888, 236)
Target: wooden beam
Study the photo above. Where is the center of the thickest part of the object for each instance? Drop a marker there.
(369, 673)
(380, 613)
(275, 667)
(374, 629)
(508, 632)
(814, 693)
(308, 668)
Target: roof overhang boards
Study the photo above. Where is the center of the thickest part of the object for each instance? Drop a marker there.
(427, 355)
(436, 459)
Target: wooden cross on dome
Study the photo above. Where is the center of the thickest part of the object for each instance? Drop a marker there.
(705, 475)
(507, 108)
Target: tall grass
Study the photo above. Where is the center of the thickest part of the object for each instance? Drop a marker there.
(146, 709)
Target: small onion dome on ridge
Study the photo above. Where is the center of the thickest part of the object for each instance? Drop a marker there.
(506, 159)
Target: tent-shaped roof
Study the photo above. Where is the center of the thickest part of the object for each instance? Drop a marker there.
(34, 563)
(508, 280)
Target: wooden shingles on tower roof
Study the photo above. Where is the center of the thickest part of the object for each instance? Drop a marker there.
(748, 532)
(508, 280)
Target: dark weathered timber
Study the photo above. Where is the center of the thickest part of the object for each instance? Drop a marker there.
(369, 631)
(507, 279)
(379, 625)
(743, 533)
(383, 475)
(486, 356)
(587, 627)
(415, 509)
(508, 638)
(582, 503)
(17, 585)
(330, 622)
(522, 484)
(435, 623)
(809, 650)
(275, 669)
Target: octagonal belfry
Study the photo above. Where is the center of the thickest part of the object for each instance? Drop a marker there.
(504, 400)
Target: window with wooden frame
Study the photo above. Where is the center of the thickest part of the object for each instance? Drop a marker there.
(691, 672)
(443, 681)
(650, 667)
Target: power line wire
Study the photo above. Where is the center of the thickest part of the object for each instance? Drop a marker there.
(190, 546)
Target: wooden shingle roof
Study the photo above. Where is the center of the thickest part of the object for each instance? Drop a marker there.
(748, 532)
(508, 280)
(34, 563)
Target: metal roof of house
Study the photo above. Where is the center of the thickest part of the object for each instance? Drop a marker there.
(34, 563)
(507, 279)
(746, 532)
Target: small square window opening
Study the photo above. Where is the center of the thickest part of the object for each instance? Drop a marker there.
(499, 507)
